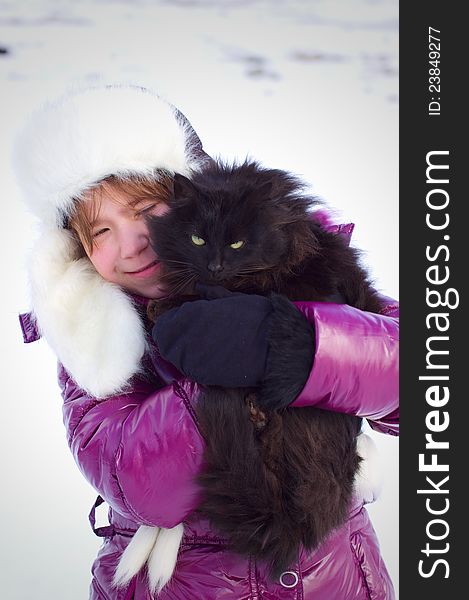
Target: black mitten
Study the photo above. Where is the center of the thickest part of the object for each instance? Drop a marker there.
(221, 341)
(239, 340)
(290, 358)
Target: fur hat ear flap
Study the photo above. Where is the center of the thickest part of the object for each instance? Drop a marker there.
(91, 324)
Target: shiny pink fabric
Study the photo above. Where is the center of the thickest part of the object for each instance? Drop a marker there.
(141, 451)
(347, 567)
(350, 344)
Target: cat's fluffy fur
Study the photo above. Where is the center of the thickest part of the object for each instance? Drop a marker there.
(275, 478)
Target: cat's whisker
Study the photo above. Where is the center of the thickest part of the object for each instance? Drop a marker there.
(176, 281)
(177, 262)
(253, 269)
(182, 284)
(176, 275)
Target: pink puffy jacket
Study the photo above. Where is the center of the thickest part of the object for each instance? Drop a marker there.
(141, 451)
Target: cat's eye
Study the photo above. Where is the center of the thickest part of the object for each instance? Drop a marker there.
(198, 241)
(237, 245)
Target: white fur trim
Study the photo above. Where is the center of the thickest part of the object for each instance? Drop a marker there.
(163, 557)
(368, 481)
(69, 145)
(92, 325)
(135, 555)
(155, 547)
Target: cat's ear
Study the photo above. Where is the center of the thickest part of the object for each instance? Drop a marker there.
(183, 188)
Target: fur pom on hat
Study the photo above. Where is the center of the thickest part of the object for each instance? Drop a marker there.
(67, 147)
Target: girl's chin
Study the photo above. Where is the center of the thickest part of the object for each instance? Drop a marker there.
(146, 289)
(151, 291)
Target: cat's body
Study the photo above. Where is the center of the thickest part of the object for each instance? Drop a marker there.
(274, 480)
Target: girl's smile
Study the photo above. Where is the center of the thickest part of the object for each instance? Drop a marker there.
(146, 271)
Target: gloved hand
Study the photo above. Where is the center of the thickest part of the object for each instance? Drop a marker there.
(239, 340)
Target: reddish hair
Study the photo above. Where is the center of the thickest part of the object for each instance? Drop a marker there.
(138, 188)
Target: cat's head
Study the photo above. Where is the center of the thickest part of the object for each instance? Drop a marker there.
(230, 225)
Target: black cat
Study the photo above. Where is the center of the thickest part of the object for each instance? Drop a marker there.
(274, 479)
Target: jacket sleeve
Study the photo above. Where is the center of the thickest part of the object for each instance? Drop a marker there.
(140, 451)
(356, 362)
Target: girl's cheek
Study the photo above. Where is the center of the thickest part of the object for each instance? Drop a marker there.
(102, 259)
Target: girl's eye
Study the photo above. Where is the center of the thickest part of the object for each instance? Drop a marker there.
(100, 231)
(146, 209)
(198, 241)
(237, 245)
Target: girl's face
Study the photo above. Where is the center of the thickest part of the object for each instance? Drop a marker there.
(121, 251)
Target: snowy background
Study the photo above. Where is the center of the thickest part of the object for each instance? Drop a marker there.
(305, 85)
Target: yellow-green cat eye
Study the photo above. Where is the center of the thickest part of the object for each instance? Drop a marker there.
(198, 241)
(237, 245)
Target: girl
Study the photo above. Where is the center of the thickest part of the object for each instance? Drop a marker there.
(91, 166)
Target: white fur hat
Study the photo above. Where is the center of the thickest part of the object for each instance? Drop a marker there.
(65, 148)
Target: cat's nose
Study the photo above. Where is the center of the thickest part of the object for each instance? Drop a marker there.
(215, 267)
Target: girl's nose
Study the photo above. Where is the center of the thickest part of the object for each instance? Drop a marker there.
(134, 240)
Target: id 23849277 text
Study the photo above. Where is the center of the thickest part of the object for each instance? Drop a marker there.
(434, 79)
